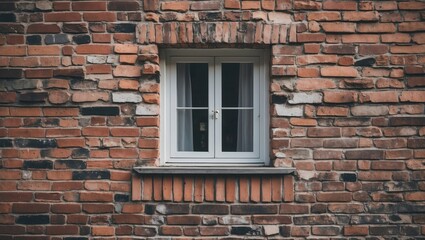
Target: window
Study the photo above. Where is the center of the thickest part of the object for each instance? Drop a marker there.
(214, 107)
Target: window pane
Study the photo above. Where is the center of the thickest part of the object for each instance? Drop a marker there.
(237, 130)
(192, 84)
(237, 84)
(192, 130)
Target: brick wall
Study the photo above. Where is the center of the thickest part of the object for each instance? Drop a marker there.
(79, 105)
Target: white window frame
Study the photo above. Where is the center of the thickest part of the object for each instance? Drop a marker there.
(214, 57)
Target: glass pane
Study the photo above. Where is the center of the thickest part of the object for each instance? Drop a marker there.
(237, 84)
(192, 84)
(237, 131)
(192, 130)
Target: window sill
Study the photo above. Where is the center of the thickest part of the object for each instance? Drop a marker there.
(214, 170)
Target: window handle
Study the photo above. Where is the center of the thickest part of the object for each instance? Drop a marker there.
(216, 114)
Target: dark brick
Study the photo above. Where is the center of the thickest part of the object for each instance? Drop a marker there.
(210, 16)
(183, 220)
(7, 17)
(314, 220)
(166, 17)
(368, 219)
(72, 164)
(318, 208)
(103, 111)
(145, 231)
(121, 28)
(210, 209)
(416, 143)
(11, 28)
(33, 97)
(340, 49)
(364, 154)
(56, 39)
(10, 73)
(400, 186)
(168, 209)
(251, 231)
(365, 62)
(254, 209)
(264, 220)
(85, 230)
(407, 121)
(121, 198)
(348, 177)
(285, 231)
(410, 208)
(33, 219)
(325, 231)
(150, 5)
(90, 175)
(384, 230)
(410, 230)
(83, 84)
(76, 238)
(381, 207)
(34, 40)
(279, 99)
(5, 142)
(150, 209)
(123, 6)
(7, 6)
(35, 143)
(73, 72)
(80, 153)
(38, 164)
(81, 39)
(74, 28)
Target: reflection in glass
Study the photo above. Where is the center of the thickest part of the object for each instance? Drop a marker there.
(237, 130)
(237, 85)
(192, 107)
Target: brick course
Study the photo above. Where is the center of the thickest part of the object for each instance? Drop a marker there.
(79, 107)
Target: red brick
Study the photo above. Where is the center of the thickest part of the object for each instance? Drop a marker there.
(356, 230)
(25, 112)
(232, 4)
(379, 97)
(89, 6)
(339, 5)
(376, 27)
(103, 231)
(93, 49)
(13, 50)
(332, 111)
(316, 59)
(338, 72)
(323, 16)
(182, 6)
(360, 16)
(338, 27)
(43, 28)
(339, 97)
(127, 71)
(43, 50)
(62, 230)
(308, 84)
(360, 38)
(412, 96)
(412, 5)
(123, 153)
(62, 17)
(96, 197)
